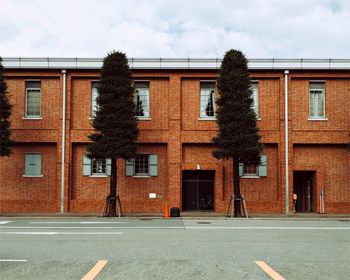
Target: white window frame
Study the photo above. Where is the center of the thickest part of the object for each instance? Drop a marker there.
(25, 161)
(98, 173)
(141, 174)
(146, 113)
(94, 106)
(250, 174)
(254, 87)
(26, 115)
(202, 112)
(315, 104)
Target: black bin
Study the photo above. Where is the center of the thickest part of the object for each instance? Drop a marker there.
(174, 212)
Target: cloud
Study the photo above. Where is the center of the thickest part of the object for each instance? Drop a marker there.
(270, 28)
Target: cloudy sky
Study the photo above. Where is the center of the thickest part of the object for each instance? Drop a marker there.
(167, 28)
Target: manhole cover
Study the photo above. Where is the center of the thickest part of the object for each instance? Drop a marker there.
(204, 223)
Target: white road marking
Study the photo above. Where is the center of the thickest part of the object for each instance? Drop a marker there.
(273, 228)
(58, 233)
(12, 260)
(58, 227)
(269, 271)
(78, 222)
(5, 222)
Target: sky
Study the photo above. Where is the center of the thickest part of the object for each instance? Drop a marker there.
(175, 29)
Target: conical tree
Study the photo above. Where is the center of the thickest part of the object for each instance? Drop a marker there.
(238, 136)
(115, 123)
(5, 113)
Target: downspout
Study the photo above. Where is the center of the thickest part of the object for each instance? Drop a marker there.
(286, 72)
(63, 138)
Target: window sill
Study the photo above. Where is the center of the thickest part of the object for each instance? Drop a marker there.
(143, 118)
(141, 176)
(207, 119)
(258, 119)
(317, 119)
(32, 118)
(98, 176)
(33, 176)
(250, 177)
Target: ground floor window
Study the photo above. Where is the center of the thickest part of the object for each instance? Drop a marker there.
(142, 165)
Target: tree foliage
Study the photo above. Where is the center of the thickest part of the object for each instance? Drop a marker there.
(5, 113)
(115, 123)
(238, 135)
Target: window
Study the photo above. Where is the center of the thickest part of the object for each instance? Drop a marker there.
(207, 99)
(32, 164)
(254, 87)
(94, 94)
(33, 99)
(96, 167)
(99, 167)
(142, 99)
(142, 165)
(254, 171)
(250, 170)
(317, 100)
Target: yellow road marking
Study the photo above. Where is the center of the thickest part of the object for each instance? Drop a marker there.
(273, 274)
(95, 270)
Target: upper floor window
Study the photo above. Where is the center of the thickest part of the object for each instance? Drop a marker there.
(142, 99)
(207, 99)
(32, 164)
(142, 165)
(33, 96)
(254, 87)
(94, 94)
(317, 100)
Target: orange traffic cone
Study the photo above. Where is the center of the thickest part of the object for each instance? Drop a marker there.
(166, 212)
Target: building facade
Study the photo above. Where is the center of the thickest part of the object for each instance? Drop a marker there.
(304, 120)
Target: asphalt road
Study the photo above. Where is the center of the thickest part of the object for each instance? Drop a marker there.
(68, 248)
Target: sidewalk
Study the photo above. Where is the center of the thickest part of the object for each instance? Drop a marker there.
(186, 215)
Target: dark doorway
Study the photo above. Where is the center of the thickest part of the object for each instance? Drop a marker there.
(304, 188)
(198, 190)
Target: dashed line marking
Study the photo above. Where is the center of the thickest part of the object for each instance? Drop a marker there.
(58, 233)
(5, 222)
(269, 271)
(82, 223)
(95, 270)
(12, 260)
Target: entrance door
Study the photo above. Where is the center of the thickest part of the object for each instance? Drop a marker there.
(198, 190)
(304, 189)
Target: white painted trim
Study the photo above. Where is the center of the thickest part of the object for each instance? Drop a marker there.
(32, 176)
(317, 119)
(250, 177)
(98, 176)
(139, 118)
(207, 119)
(32, 118)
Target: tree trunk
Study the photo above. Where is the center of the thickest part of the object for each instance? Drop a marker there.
(236, 186)
(112, 211)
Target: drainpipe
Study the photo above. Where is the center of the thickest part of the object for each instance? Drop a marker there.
(286, 72)
(63, 138)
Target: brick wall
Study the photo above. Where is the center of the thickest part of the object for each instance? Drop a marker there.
(28, 194)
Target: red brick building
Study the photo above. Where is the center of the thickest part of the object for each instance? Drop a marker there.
(53, 102)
